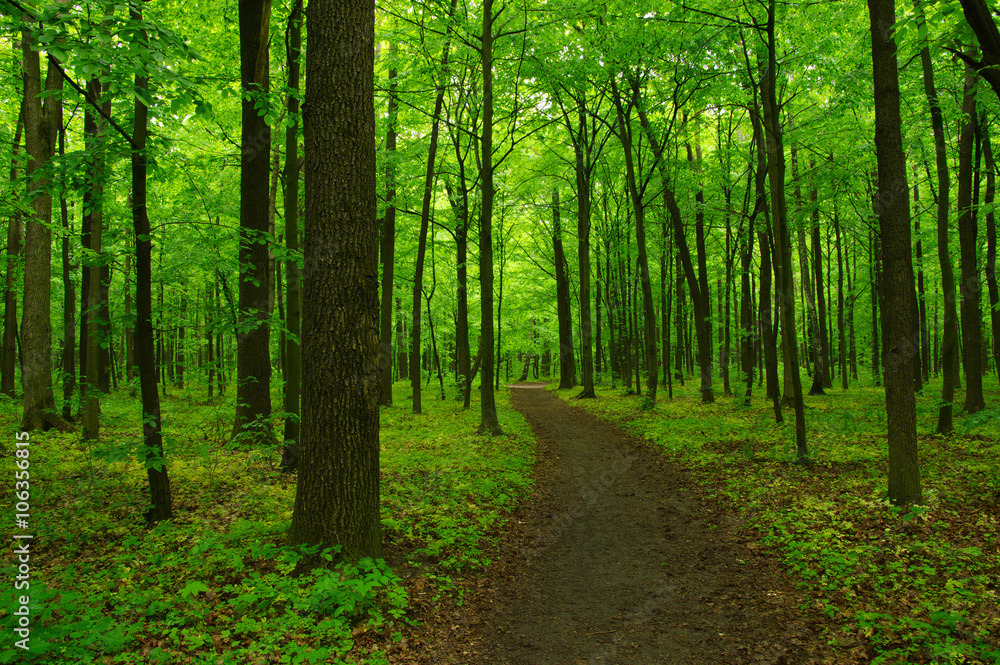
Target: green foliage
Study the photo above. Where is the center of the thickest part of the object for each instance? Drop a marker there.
(911, 584)
(216, 584)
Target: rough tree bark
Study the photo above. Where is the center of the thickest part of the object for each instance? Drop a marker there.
(891, 203)
(337, 496)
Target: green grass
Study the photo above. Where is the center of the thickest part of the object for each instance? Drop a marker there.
(915, 585)
(214, 585)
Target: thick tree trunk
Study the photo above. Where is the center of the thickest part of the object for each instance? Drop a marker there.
(337, 496)
(894, 225)
(253, 353)
(972, 339)
(40, 127)
(567, 362)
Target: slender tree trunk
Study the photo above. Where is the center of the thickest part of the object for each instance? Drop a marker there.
(337, 496)
(949, 350)
(925, 345)
(152, 454)
(776, 176)
(8, 360)
(387, 238)
(894, 225)
(425, 218)
(841, 269)
(583, 253)
(825, 353)
(567, 363)
(69, 296)
(293, 280)
(972, 340)
(489, 424)
(991, 247)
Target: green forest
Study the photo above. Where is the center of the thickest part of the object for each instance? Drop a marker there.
(516, 331)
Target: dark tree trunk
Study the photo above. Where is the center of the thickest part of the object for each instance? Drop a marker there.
(387, 238)
(991, 248)
(585, 157)
(817, 257)
(425, 218)
(337, 496)
(949, 350)
(8, 360)
(489, 424)
(776, 176)
(293, 280)
(156, 465)
(925, 344)
(567, 362)
(841, 269)
(972, 339)
(253, 354)
(894, 224)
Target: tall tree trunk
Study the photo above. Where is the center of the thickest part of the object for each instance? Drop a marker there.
(972, 339)
(425, 218)
(69, 294)
(567, 363)
(8, 360)
(489, 424)
(925, 344)
(93, 199)
(991, 247)
(949, 343)
(894, 224)
(387, 238)
(841, 269)
(337, 496)
(583, 170)
(817, 256)
(776, 176)
(40, 126)
(156, 465)
(645, 283)
(253, 353)
(293, 316)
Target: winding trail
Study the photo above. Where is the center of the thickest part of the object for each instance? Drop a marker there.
(619, 558)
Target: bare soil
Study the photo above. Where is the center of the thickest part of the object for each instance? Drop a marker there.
(618, 557)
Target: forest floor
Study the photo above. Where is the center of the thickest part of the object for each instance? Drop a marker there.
(620, 557)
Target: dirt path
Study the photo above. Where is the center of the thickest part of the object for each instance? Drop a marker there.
(619, 559)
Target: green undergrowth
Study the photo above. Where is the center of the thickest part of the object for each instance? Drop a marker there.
(917, 584)
(214, 585)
